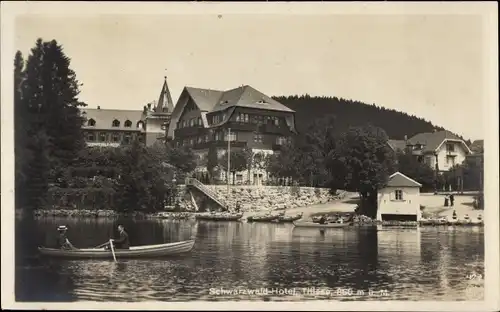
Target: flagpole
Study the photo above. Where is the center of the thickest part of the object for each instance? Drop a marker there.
(228, 159)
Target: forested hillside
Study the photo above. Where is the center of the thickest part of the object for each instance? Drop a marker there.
(354, 113)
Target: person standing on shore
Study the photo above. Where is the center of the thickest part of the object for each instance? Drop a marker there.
(452, 199)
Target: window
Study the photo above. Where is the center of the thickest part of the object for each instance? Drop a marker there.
(191, 141)
(281, 140)
(191, 122)
(450, 147)
(232, 137)
(241, 117)
(206, 138)
(91, 137)
(116, 123)
(126, 139)
(398, 194)
(116, 137)
(200, 139)
(91, 122)
(257, 138)
(199, 122)
(140, 124)
(216, 119)
(140, 138)
(276, 121)
(128, 124)
(219, 136)
(102, 137)
(450, 161)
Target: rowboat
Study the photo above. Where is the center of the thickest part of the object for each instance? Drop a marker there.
(319, 225)
(265, 218)
(219, 216)
(289, 218)
(144, 251)
(476, 222)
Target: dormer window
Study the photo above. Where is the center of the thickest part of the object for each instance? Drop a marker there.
(128, 124)
(140, 125)
(91, 122)
(262, 101)
(116, 123)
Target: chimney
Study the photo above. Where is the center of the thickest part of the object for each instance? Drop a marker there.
(149, 106)
(98, 107)
(406, 138)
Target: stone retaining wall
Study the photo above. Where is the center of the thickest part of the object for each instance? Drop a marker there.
(255, 198)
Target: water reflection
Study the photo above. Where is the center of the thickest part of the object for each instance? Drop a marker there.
(423, 264)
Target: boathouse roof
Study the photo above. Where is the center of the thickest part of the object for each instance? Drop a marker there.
(400, 180)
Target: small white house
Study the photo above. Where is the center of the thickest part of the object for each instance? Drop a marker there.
(400, 199)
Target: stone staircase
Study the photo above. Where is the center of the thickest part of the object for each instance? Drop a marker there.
(192, 182)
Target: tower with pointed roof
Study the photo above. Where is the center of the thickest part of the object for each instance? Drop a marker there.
(158, 116)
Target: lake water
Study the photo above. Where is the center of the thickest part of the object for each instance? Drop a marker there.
(275, 261)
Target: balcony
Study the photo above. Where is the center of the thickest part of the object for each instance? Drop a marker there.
(240, 126)
(205, 145)
(189, 131)
(273, 129)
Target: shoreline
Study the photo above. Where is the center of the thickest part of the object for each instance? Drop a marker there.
(433, 209)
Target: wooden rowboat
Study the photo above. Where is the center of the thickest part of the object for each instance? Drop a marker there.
(319, 225)
(145, 251)
(265, 218)
(219, 216)
(289, 218)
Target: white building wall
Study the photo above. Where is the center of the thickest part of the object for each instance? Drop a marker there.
(409, 205)
(460, 152)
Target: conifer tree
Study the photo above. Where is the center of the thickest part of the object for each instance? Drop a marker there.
(47, 119)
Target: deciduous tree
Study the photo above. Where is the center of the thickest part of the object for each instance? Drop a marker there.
(238, 162)
(363, 161)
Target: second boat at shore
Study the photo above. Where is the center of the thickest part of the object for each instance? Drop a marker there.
(319, 225)
(219, 216)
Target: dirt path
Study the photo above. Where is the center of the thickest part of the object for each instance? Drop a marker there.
(434, 205)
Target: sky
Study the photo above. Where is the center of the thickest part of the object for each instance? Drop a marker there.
(431, 66)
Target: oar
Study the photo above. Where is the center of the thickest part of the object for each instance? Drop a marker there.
(112, 249)
(102, 245)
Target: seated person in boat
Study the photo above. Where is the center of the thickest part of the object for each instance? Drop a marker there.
(122, 242)
(454, 215)
(62, 241)
(322, 220)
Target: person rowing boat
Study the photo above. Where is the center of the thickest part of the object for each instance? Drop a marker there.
(122, 242)
(63, 241)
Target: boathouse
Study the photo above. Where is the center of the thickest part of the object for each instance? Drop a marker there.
(399, 200)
